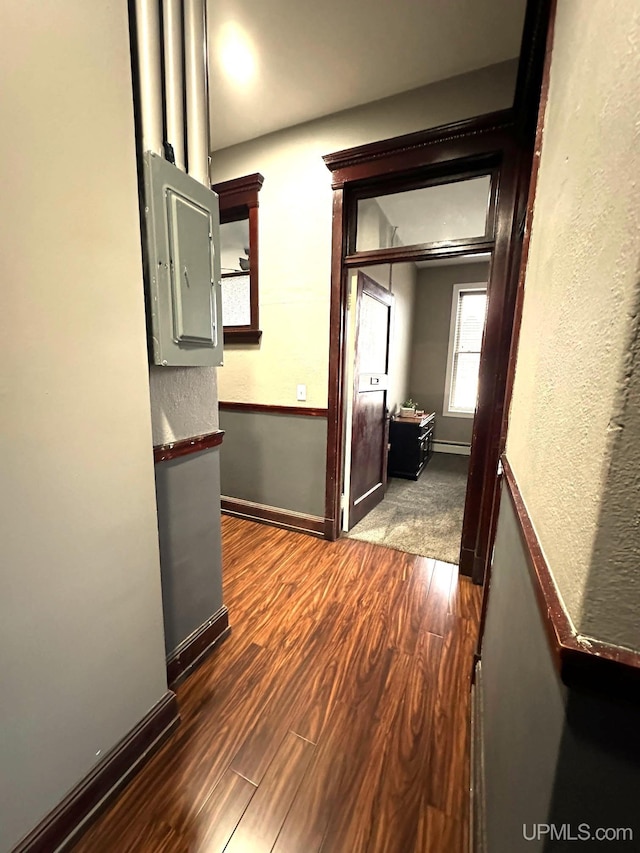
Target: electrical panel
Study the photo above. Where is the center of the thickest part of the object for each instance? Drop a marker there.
(183, 266)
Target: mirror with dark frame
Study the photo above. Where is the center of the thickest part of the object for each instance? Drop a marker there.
(238, 200)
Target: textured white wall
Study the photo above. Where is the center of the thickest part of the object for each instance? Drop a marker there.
(184, 402)
(295, 227)
(80, 605)
(572, 419)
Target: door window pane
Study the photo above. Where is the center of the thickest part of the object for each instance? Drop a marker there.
(435, 214)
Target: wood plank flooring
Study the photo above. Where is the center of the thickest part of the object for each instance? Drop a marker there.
(335, 718)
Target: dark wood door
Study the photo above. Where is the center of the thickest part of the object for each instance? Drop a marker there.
(371, 374)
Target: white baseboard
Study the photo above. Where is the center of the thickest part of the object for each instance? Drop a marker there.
(452, 447)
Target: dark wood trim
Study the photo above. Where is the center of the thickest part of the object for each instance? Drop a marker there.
(528, 223)
(240, 335)
(335, 421)
(62, 827)
(484, 504)
(539, 18)
(401, 154)
(485, 446)
(303, 411)
(581, 661)
(186, 446)
(239, 192)
(197, 647)
(517, 319)
(254, 267)
(400, 254)
(296, 521)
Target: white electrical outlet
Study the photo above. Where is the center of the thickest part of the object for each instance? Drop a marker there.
(301, 393)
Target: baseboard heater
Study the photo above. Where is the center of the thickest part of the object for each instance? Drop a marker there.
(452, 447)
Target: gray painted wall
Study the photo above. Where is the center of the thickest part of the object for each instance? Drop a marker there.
(552, 755)
(82, 657)
(277, 460)
(524, 700)
(432, 317)
(188, 496)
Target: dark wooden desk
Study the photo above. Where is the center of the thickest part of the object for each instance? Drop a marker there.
(411, 445)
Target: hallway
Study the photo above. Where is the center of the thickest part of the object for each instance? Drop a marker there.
(333, 719)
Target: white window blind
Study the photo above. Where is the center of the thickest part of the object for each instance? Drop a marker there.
(464, 349)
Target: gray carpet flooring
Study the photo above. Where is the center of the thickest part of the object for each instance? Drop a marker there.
(424, 516)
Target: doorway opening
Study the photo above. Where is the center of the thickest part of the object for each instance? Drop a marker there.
(479, 163)
(424, 397)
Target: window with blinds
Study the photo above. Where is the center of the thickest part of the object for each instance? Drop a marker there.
(468, 310)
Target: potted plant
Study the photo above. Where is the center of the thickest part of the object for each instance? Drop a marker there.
(407, 409)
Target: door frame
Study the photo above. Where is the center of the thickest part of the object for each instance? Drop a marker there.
(504, 139)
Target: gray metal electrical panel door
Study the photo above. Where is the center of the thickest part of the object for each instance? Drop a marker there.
(182, 224)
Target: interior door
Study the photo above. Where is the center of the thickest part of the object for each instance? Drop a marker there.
(371, 374)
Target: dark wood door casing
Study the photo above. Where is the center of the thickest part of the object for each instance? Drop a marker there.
(368, 450)
(454, 150)
(507, 136)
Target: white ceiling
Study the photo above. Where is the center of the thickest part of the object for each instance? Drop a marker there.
(296, 60)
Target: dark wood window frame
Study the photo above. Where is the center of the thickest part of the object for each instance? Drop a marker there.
(238, 200)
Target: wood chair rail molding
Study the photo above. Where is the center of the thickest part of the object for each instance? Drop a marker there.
(186, 446)
(583, 662)
(266, 408)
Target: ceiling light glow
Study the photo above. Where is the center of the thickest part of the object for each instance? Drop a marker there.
(236, 54)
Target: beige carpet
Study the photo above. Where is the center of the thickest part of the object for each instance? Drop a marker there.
(424, 516)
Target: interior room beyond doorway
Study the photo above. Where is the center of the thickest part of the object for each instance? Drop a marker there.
(436, 326)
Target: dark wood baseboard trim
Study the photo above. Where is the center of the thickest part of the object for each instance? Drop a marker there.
(583, 662)
(62, 827)
(478, 831)
(304, 411)
(197, 647)
(185, 446)
(296, 521)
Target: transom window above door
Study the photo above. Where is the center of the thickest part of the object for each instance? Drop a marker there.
(443, 213)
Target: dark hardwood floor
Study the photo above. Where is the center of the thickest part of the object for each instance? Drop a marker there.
(333, 719)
